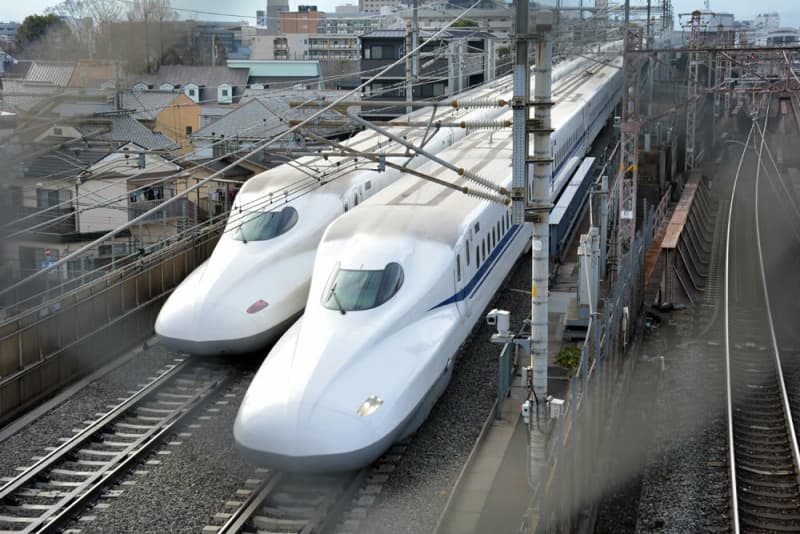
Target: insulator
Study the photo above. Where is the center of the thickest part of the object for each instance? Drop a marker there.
(486, 196)
(485, 125)
(478, 103)
(469, 175)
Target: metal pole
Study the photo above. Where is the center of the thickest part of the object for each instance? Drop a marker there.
(542, 172)
(603, 209)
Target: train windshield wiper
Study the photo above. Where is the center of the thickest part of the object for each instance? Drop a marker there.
(336, 299)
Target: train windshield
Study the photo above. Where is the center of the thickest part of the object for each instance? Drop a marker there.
(351, 290)
(260, 226)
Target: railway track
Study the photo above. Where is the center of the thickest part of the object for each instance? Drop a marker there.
(51, 492)
(289, 503)
(763, 450)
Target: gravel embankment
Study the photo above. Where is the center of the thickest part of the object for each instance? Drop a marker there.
(685, 487)
(17, 450)
(185, 481)
(415, 494)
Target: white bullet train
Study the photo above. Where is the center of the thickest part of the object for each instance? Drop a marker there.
(398, 284)
(256, 281)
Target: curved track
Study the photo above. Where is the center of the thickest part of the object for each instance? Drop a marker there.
(763, 449)
(50, 493)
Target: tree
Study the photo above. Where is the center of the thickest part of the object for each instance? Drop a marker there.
(464, 23)
(220, 52)
(35, 28)
(150, 17)
(91, 22)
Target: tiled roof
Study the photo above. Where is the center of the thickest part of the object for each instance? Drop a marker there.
(55, 72)
(202, 76)
(262, 117)
(147, 104)
(66, 162)
(81, 109)
(125, 128)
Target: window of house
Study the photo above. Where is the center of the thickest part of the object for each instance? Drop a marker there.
(188, 130)
(47, 198)
(155, 192)
(57, 131)
(224, 92)
(191, 92)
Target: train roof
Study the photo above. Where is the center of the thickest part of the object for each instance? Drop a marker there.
(395, 210)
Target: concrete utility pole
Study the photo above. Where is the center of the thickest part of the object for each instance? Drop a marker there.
(542, 174)
(412, 61)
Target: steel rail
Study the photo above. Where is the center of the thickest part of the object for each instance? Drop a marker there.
(762, 497)
(326, 510)
(119, 460)
(726, 323)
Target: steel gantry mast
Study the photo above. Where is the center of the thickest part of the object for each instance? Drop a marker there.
(629, 139)
(692, 95)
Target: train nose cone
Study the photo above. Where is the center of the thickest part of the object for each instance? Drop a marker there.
(299, 438)
(210, 327)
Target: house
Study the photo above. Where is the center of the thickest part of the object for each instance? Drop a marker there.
(453, 62)
(263, 118)
(70, 184)
(265, 74)
(223, 85)
(172, 114)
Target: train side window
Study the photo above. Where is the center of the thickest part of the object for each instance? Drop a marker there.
(368, 185)
(477, 256)
(466, 252)
(458, 267)
(484, 247)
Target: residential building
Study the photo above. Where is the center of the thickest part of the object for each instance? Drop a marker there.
(374, 7)
(78, 170)
(768, 21)
(333, 47)
(8, 31)
(347, 24)
(497, 20)
(290, 46)
(453, 62)
(262, 118)
(346, 10)
(223, 85)
(173, 114)
(304, 20)
(274, 10)
(267, 74)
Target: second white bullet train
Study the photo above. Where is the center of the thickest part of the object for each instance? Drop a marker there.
(398, 284)
(256, 281)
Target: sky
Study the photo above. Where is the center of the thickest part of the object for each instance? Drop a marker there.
(245, 9)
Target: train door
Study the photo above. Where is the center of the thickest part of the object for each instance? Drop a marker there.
(462, 275)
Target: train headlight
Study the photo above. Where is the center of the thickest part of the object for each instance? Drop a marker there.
(257, 306)
(369, 406)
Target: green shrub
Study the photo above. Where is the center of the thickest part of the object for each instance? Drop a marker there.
(569, 357)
